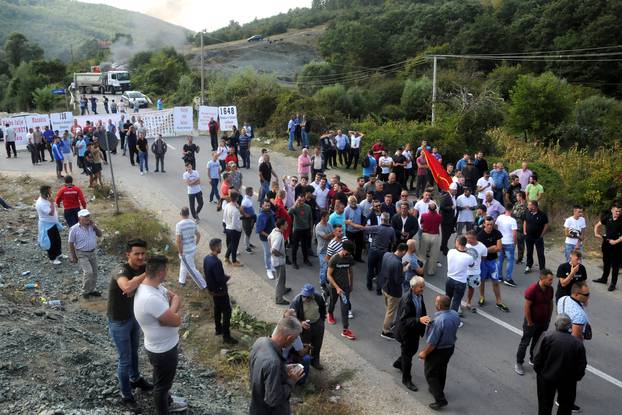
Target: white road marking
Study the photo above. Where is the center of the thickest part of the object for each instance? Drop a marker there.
(517, 331)
(170, 146)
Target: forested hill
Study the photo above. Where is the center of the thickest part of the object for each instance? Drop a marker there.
(60, 25)
(373, 33)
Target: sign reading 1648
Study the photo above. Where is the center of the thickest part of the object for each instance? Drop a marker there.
(227, 110)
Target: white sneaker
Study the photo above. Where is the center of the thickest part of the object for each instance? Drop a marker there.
(179, 399)
(63, 256)
(142, 174)
(56, 262)
(439, 265)
(270, 274)
(350, 314)
(177, 406)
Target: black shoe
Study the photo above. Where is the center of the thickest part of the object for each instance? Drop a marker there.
(282, 302)
(369, 286)
(410, 385)
(511, 283)
(287, 261)
(601, 280)
(163, 171)
(611, 287)
(131, 405)
(438, 405)
(378, 292)
(387, 335)
(142, 384)
(398, 364)
(307, 262)
(95, 294)
(296, 266)
(288, 290)
(156, 171)
(230, 340)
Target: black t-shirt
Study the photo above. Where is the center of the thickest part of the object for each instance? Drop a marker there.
(393, 189)
(142, 144)
(613, 228)
(340, 266)
(562, 272)
(120, 306)
(190, 149)
(489, 239)
(265, 169)
(535, 223)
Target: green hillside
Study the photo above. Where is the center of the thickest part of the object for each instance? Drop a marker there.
(59, 25)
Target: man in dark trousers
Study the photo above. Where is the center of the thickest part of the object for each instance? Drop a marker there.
(410, 324)
(213, 132)
(217, 286)
(447, 209)
(311, 311)
(560, 362)
(538, 310)
(441, 339)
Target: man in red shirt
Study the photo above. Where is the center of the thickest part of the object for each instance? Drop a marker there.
(538, 310)
(72, 198)
(431, 239)
(378, 149)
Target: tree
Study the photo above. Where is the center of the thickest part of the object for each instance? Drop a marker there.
(417, 98)
(314, 75)
(43, 98)
(539, 104)
(503, 78)
(18, 49)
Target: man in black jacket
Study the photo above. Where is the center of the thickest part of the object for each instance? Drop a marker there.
(410, 324)
(405, 225)
(310, 309)
(447, 208)
(560, 362)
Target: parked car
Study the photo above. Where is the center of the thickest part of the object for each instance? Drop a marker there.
(255, 38)
(129, 97)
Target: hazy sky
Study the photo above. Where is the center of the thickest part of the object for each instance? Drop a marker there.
(208, 14)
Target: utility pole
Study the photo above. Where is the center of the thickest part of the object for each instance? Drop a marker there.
(114, 186)
(434, 88)
(202, 77)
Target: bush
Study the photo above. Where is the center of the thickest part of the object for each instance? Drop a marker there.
(416, 99)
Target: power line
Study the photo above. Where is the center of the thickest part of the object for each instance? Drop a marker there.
(550, 51)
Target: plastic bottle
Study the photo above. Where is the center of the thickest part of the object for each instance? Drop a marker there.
(53, 303)
(25, 273)
(344, 298)
(32, 285)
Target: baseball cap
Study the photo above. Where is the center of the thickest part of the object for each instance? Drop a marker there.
(307, 290)
(83, 212)
(453, 186)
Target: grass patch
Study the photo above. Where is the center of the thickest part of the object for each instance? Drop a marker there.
(323, 402)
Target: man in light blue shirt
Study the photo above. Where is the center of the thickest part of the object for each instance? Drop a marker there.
(440, 338)
(501, 179)
(342, 147)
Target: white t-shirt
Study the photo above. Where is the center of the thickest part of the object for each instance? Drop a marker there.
(574, 224)
(422, 207)
(187, 229)
(232, 217)
(149, 305)
(277, 243)
(506, 225)
(223, 152)
(355, 141)
(192, 176)
(482, 183)
(386, 169)
(321, 196)
(44, 207)
(458, 264)
(478, 252)
(409, 157)
(466, 214)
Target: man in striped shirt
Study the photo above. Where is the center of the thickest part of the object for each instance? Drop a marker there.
(82, 245)
(335, 244)
(187, 236)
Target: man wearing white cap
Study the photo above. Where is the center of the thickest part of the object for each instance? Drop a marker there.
(82, 245)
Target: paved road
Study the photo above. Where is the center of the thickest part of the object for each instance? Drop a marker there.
(481, 379)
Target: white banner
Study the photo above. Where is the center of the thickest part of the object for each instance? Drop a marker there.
(158, 122)
(205, 115)
(61, 121)
(228, 117)
(37, 120)
(82, 119)
(183, 119)
(20, 128)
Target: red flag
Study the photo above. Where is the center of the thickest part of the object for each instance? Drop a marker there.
(442, 179)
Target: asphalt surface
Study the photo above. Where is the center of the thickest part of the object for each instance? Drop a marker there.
(481, 379)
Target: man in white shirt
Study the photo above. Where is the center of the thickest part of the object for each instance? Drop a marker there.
(321, 194)
(385, 162)
(507, 225)
(187, 236)
(523, 175)
(458, 263)
(276, 241)
(466, 205)
(421, 206)
(233, 228)
(157, 311)
(573, 229)
(484, 184)
(195, 195)
(478, 251)
(355, 148)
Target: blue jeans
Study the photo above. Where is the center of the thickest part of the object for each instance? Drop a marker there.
(305, 138)
(568, 248)
(266, 254)
(264, 188)
(214, 192)
(143, 160)
(323, 268)
(126, 337)
(290, 141)
(455, 290)
(245, 155)
(506, 253)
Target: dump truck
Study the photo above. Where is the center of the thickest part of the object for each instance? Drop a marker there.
(109, 82)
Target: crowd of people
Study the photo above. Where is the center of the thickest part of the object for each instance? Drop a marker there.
(395, 218)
